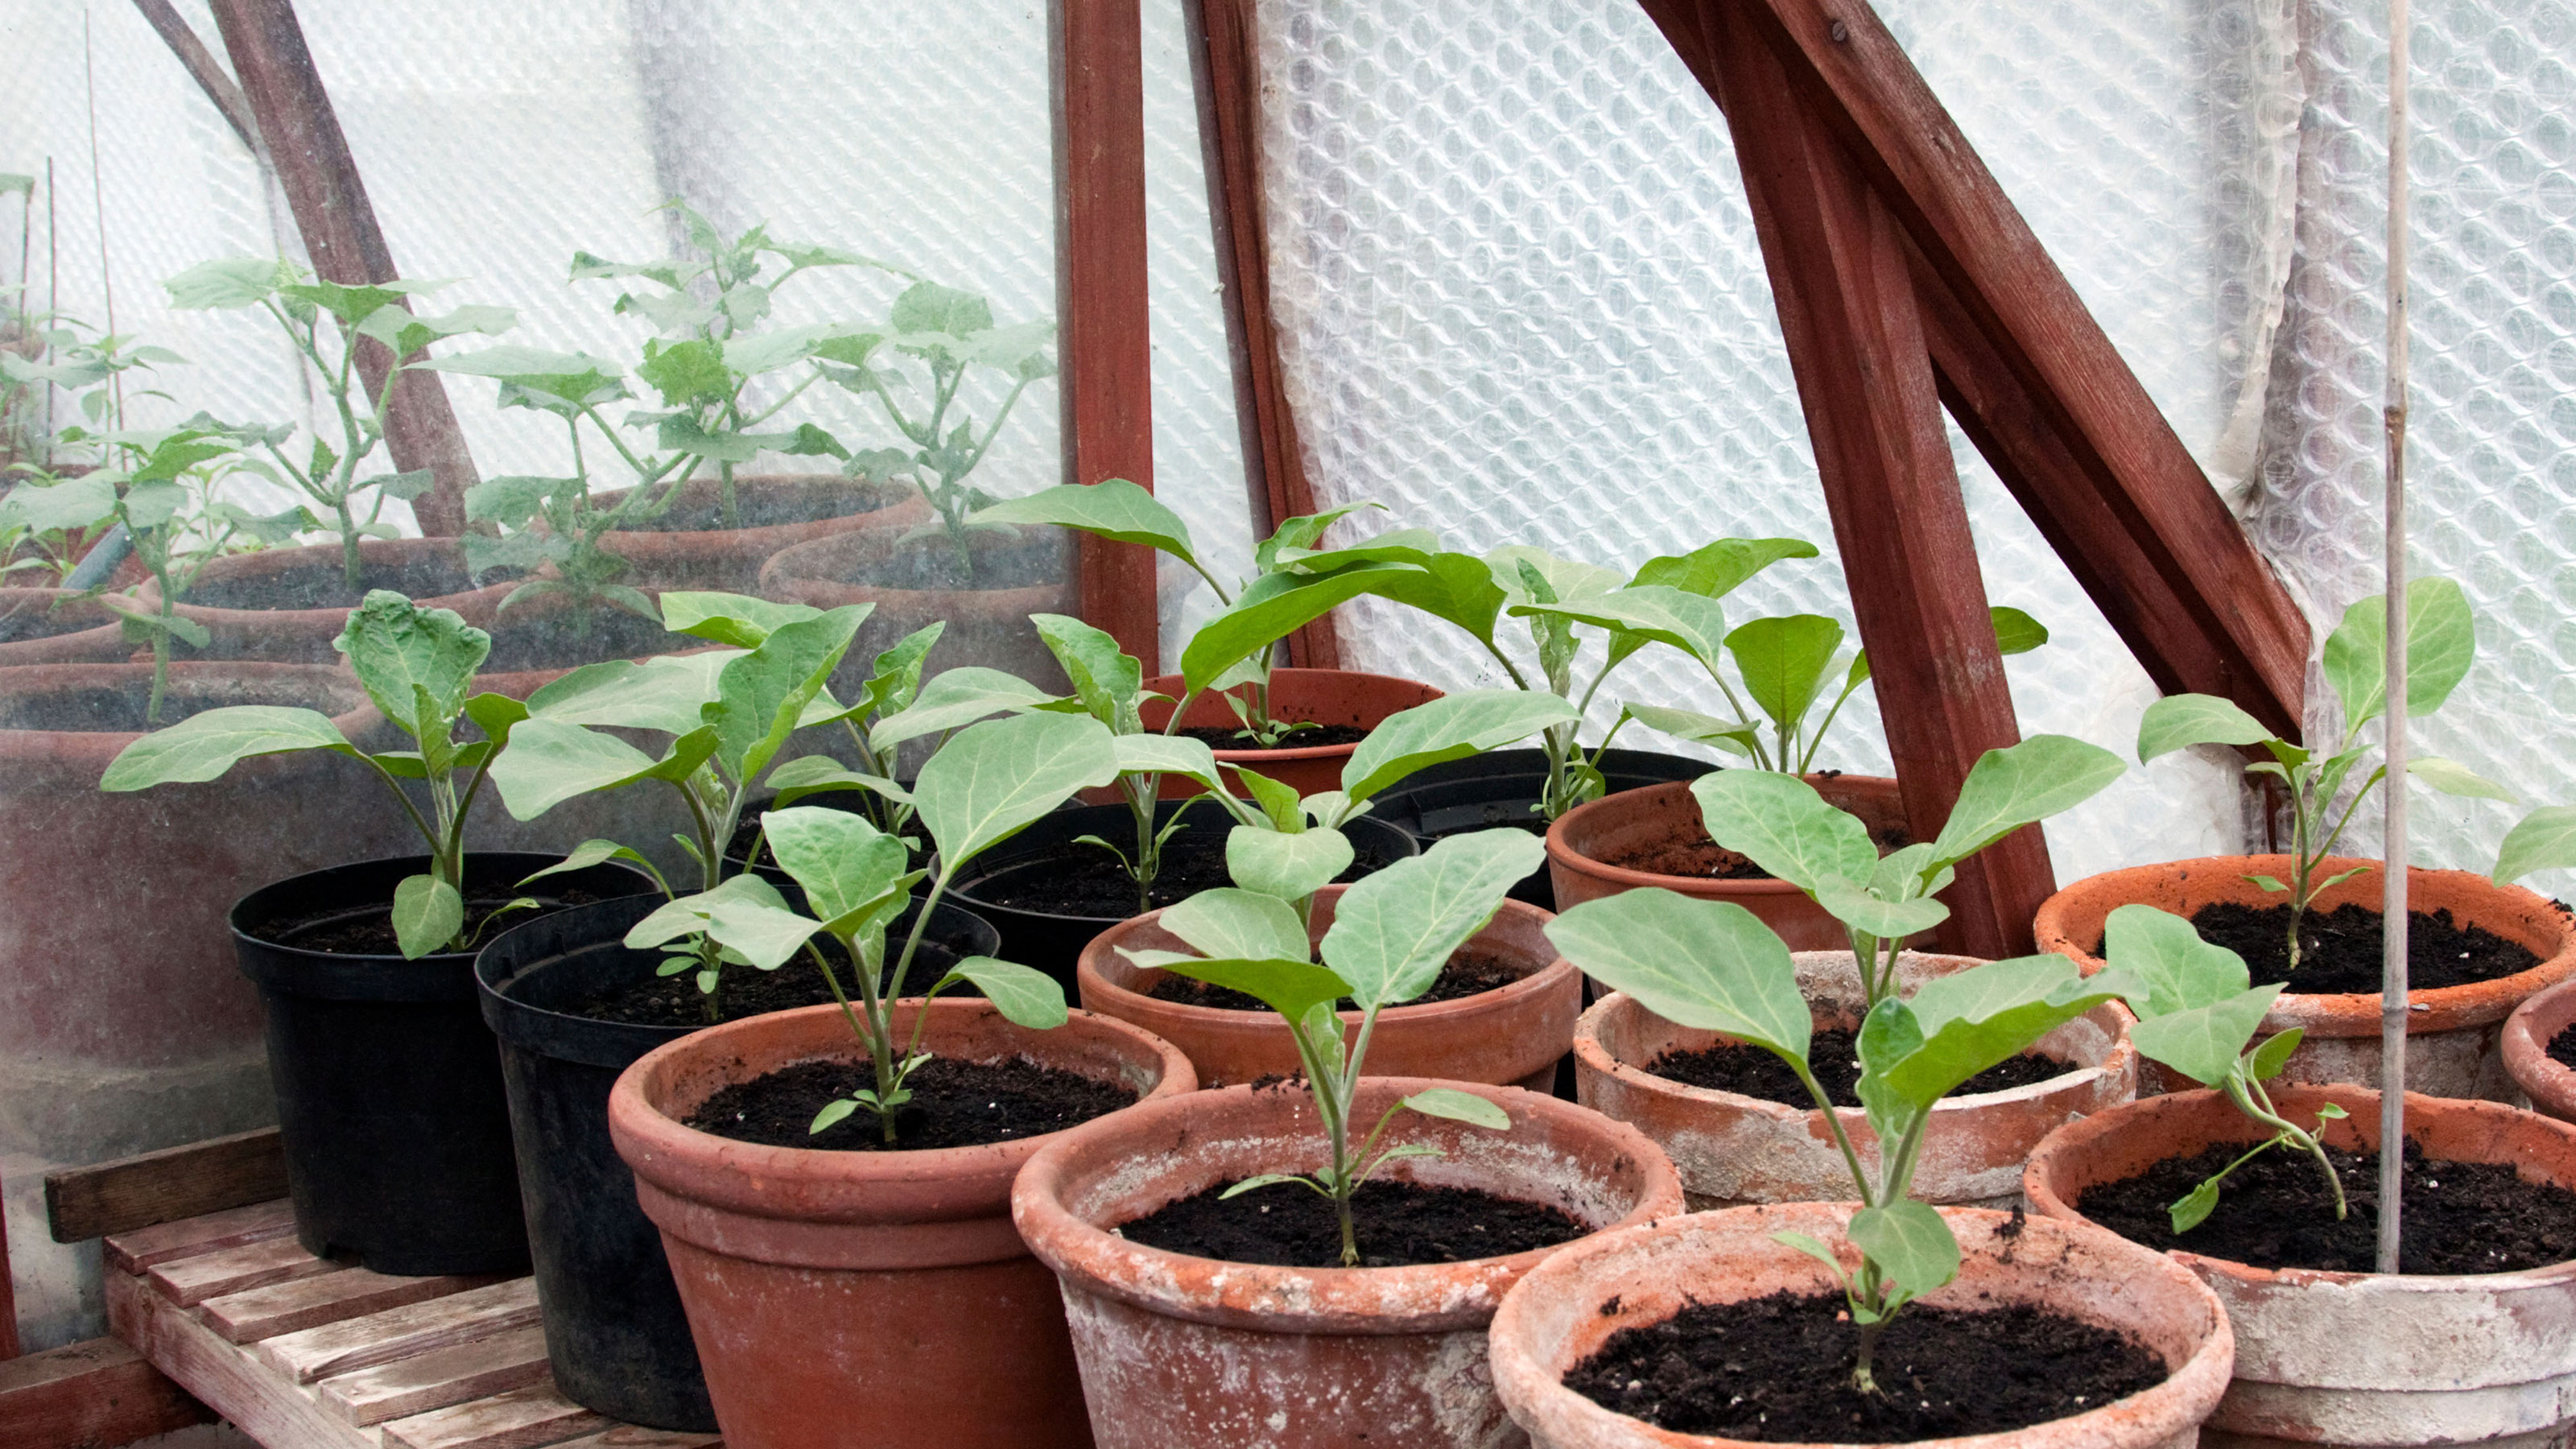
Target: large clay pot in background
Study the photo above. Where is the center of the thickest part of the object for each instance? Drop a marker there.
(1193, 1353)
(2453, 1033)
(1503, 787)
(539, 639)
(60, 626)
(1510, 1036)
(1731, 1148)
(871, 1297)
(2549, 1083)
(1581, 843)
(1565, 1310)
(289, 604)
(689, 547)
(2359, 1358)
(915, 581)
(1311, 696)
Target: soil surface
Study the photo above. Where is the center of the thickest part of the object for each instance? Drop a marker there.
(1701, 859)
(370, 931)
(569, 638)
(1087, 882)
(771, 502)
(2339, 949)
(1778, 1370)
(119, 708)
(954, 1104)
(1397, 1224)
(1472, 970)
(318, 584)
(25, 621)
(2562, 1048)
(1234, 737)
(1038, 556)
(748, 991)
(2276, 1212)
(1833, 1055)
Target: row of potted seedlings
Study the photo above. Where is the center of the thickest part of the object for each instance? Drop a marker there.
(1274, 1181)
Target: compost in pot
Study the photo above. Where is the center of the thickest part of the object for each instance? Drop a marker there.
(1833, 1059)
(949, 1104)
(1401, 1223)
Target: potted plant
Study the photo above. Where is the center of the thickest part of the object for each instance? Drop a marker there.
(2537, 1045)
(2310, 918)
(2270, 1195)
(388, 1090)
(822, 1175)
(1925, 1322)
(1322, 1254)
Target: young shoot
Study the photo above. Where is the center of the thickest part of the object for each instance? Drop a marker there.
(2441, 643)
(2197, 1015)
(1391, 934)
(894, 685)
(1712, 966)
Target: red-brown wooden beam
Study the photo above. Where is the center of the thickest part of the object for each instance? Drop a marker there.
(1225, 71)
(1097, 73)
(266, 45)
(8, 1298)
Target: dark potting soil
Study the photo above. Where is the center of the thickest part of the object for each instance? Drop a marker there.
(1778, 1370)
(2339, 949)
(119, 708)
(571, 637)
(954, 1104)
(2562, 1047)
(772, 502)
(1834, 1057)
(1471, 971)
(2277, 1212)
(370, 931)
(743, 991)
(1234, 737)
(1087, 881)
(46, 619)
(1701, 859)
(317, 583)
(1397, 1224)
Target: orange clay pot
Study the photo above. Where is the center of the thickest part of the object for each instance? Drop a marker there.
(1510, 1036)
(2359, 1358)
(430, 571)
(1733, 1149)
(1192, 1353)
(880, 1298)
(60, 626)
(1564, 1311)
(1314, 696)
(690, 548)
(2453, 1033)
(912, 583)
(1584, 839)
(2550, 1085)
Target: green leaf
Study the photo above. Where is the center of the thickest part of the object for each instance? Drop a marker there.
(1278, 801)
(734, 619)
(1395, 929)
(996, 779)
(2204, 1042)
(816, 774)
(688, 915)
(428, 913)
(416, 664)
(1159, 754)
(930, 307)
(203, 746)
(2010, 788)
(833, 1114)
(956, 698)
(1286, 986)
(64, 507)
(1966, 1022)
(1783, 662)
(1105, 678)
(2015, 631)
(1692, 623)
(1816, 1250)
(1706, 964)
(1242, 924)
(1449, 728)
(2161, 965)
(2545, 839)
(1707, 729)
(1269, 610)
(573, 377)
(668, 693)
(2272, 883)
(355, 304)
(2453, 778)
(230, 283)
(2195, 1206)
(588, 854)
(764, 935)
(1113, 509)
(1290, 867)
(845, 864)
(1268, 1179)
(1024, 997)
(1565, 579)
(1781, 824)
(894, 677)
(1909, 1242)
(1301, 532)
(405, 334)
(761, 696)
(1718, 569)
(549, 762)
(1458, 587)
(2441, 644)
(2266, 1061)
(2178, 720)
(1450, 1104)
(1887, 919)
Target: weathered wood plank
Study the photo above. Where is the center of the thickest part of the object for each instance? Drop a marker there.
(492, 1364)
(146, 1248)
(94, 1393)
(258, 1313)
(191, 1281)
(259, 1402)
(164, 1187)
(519, 1419)
(356, 1343)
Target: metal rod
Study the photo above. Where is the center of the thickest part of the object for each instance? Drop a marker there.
(2392, 985)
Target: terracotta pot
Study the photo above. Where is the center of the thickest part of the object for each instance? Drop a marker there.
(2453, 1032)
(1582, 841)
(912, 583)
(1315, 696)
(539, 640)
(2360, 1358)
(2527, 1034)
(253, 604)
(690, 548)
(1734, 1149)
(1510, 1036)
(876, 1297)
(60, 626)
(1193, 1353)
(1562, 1313)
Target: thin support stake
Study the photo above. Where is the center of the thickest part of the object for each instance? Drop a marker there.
(2392, 984)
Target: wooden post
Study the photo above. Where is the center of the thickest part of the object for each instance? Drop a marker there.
(1096, 69)
(341, 236)
(8, 1298)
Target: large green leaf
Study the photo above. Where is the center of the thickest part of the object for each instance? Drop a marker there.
(1170, 755)
(735, 619)
(2204, 1042)
(688, 915)
(1706, 964)
(1113, 508)
(1909, 1242)
(2453, 778)
(1458, 587)
(1718, 569)
(1024, 997)
(1291, 867)
(2161, 965)
(229, 283)
(996, 779)
(844, 863)
(761, 696)
(1232, 923)
(2179, 720)
(1395, 929)
(1692, 623)
(668, 693)
(413, 662)
(1783, 661)
(1706, 729)
(1781, 824)
(1105, 678)
(405, 334)
(204, 746)
(2015, 631)
(1273, 607)
(1449, 728)
(1954, 1027)
(573, 377)
(2010, 788)
(549, 762)
(1291, 988)
(956, 698)
(64, 507)
(1889, 917)
(2545, 839)
(1566, 579)
(2441, 644)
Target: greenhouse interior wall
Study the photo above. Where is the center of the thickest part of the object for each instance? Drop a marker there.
(1520, 301)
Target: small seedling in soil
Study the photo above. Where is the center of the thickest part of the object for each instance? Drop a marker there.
(988, 784)
(2197, 1015)
(1391, 934)
(2441, 643)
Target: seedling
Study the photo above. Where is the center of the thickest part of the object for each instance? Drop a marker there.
(894, 685)
(417, 665)
(1780, 823)
(1711, 965)
(1391, 934)
(2441, 643)
(988, 784)
(2197, 1015)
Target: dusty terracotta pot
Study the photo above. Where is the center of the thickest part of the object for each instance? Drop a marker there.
(1733, 1149)
(884, 1298)
(2452, 1047)
(60, 626)
(2527, 1033)
(539, 640)
(253, 604)
(1562, 1313)
(1510, 1036)
(1316, 696)
(1582, 841)
(912, 583)
(690, 548)
(1192, 1353)
(2360, 1358)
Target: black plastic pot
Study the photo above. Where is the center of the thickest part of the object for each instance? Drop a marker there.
(615, 1332)
(388, 1085)
(1052, 943)
(1503, 788)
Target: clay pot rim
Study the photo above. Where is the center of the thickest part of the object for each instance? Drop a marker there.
(1171, 683)
(750, 539)
(148, 592)
(2340, 1013)
(1292, 1300)
(2363, 1104)
(2527, 1034)
(1562, 853)
(2201, 1379)
(356, 722)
